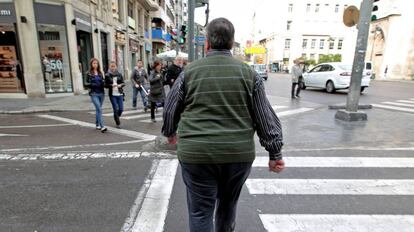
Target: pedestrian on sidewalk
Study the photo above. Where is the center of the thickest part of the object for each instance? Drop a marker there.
(115, 83)
(297, 78)
(139, 79)
(217, 104)
(95, 82)
(174, 71)
(156, 93)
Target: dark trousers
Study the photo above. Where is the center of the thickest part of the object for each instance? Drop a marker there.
(213, 188)
(294, 86)
(153, 107)
(118, 107)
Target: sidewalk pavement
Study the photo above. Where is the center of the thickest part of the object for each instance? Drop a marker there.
(59, 104)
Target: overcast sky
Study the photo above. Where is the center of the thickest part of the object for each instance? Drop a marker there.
(239, 12)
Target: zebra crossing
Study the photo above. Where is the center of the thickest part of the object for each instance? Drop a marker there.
(144, 117)
(332, 190)
(406, 105)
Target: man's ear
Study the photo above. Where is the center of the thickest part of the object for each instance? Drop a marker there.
(207, 46)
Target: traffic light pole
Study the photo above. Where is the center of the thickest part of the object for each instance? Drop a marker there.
(351, 113)
(191, 7)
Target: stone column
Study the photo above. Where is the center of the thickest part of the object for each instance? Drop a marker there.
(29, 46)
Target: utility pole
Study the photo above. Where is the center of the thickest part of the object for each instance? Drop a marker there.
(191, 7)
(351, 113)
(196, 43)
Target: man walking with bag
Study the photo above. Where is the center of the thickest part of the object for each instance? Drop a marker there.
(139, 79)
(217, 104)
(297, 78)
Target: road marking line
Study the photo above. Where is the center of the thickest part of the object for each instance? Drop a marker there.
(147, 115)
(351, 149)
(337, 223)
(394, 108)
(405, 101)
(132, 134)
(398, 104)
(12, 135)
(292, 112)
(133, 212)
(277, 107)
(70, 146)
(33, 126)
(341, 162)
(330, 186)
(149, 120)
(87, 155)
(151, 216)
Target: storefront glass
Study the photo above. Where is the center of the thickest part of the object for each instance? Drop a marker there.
(55, 60)
(11, 76)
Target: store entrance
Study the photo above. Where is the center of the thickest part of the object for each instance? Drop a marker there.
(11, 75)
(84, 51)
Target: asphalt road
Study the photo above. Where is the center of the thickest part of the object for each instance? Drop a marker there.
(60, 174)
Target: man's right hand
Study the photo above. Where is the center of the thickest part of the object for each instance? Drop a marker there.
(276, 165)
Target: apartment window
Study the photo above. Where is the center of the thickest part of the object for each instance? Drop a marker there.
(116, 9)
(288, 25)
(331, 43)
(340, 44)
(312, 56)
(345, 6)
(304, 55)
(290, 8)
(317, 8)
(308, 7)
(304, 43)
(313, 44)
(321, 44)
(130, 10)
(336, 8)
(287, 43)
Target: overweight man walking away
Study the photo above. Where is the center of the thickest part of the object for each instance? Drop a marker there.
(216, 105)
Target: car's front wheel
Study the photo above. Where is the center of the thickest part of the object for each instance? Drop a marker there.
(330, 87)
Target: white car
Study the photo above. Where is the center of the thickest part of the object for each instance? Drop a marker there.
(333, 76)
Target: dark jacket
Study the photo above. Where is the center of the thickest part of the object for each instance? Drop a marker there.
(95, 84)
(156, 93)
(139, 77)
(172, 73)
(109, 79)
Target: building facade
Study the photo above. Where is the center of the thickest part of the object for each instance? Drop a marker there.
(391, 40)
(307, 29)
(46, 45)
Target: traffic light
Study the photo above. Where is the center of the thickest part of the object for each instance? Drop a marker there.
(375, 11)
(183, 34)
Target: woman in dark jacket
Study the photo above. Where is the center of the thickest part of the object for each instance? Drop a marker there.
(156, 93)
(95, 82)
(114, 81)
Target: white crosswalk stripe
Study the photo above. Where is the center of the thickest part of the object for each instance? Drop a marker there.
(406, 106)
(332, 188)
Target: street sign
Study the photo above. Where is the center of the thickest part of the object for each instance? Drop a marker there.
(351, 16)
(200, 38)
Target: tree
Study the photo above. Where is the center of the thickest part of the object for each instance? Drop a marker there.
(330, 58)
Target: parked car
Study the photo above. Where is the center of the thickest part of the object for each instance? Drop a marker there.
(261, 70)
(332, 77)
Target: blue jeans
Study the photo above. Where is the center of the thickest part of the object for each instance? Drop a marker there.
(143, 96)
(118, 107)
(213, 191)
(97, 100)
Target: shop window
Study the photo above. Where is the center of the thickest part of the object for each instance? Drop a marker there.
(54, 57)
(11, 75)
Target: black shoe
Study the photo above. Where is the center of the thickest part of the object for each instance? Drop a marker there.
(118, 126)
(294, 97)
(297, 96)
(153, 120)
(104, 129)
